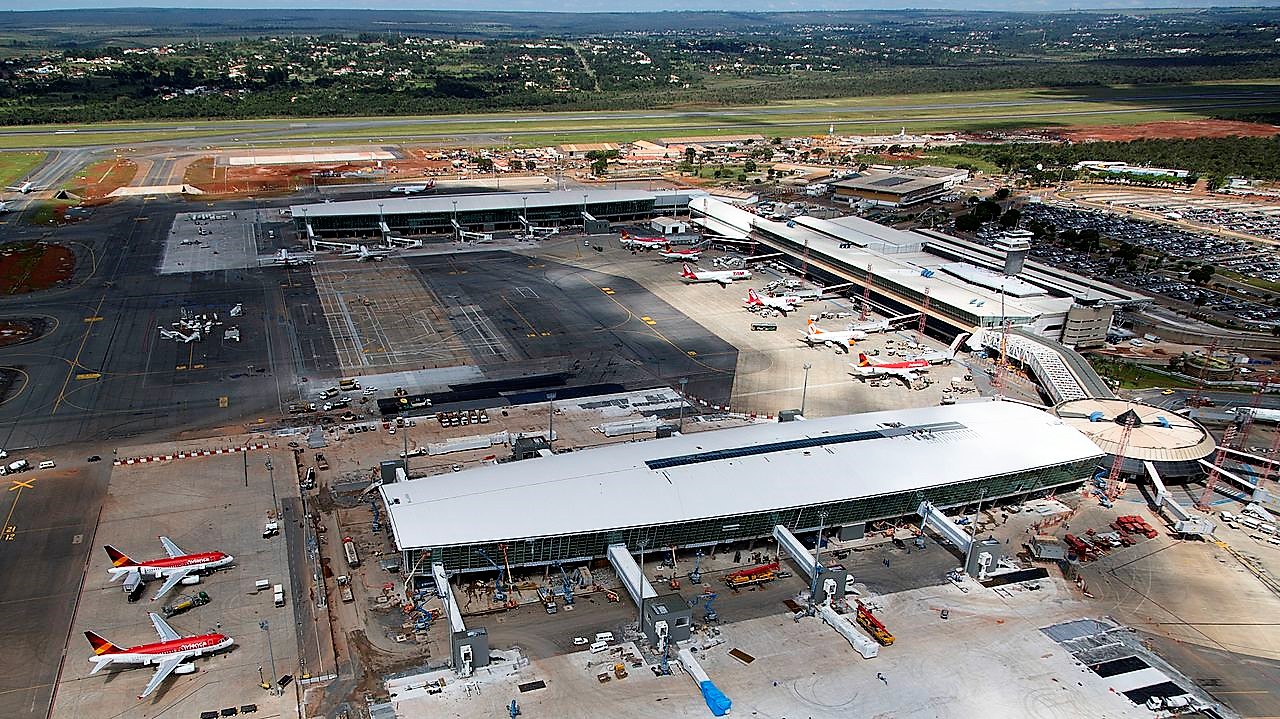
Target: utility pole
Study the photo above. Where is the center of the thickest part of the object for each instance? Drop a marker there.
(683, 381)
(265, 626)
(551, 419)
(804, 392)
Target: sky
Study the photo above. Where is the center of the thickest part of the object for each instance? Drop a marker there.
(630, 6)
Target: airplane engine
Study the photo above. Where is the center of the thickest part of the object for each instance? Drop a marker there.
(185, 668)
(190, 579)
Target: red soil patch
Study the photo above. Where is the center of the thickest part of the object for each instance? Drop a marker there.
(226, 180)
(102, 178)
(31, 266)
(1173, 130)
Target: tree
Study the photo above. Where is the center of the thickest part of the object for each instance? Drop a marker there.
(484, 164)
(1003, 193)
(968, 223)
(690, 155)
(1010, 218)
(600, 167)
(987, 210)
(749, 165)
(1201, 275)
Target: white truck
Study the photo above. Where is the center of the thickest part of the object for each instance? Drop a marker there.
(278, 591)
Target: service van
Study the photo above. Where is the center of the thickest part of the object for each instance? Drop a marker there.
(597, 647)
(47, 464)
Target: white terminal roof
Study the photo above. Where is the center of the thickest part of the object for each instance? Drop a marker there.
(673, 480)
(466, 203)
(1184, 439)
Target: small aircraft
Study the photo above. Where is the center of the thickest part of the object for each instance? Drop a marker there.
(412, 189)
(4, 207)
(174, 568)
(179, 336)
(285, 258)
(815, 335)
(907, 371)
(724, 277)
(642, 243)
(689, 255)
(756, 303)
(364, 254)
(170, 655)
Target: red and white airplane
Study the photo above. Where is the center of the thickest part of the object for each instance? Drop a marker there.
(815, 335)
(784, 304)
(168, 655)
(724, 277)
(907, 371)
(177, 567)
(688, 255)
(642, 243)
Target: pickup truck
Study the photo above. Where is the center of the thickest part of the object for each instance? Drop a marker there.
(321, 462)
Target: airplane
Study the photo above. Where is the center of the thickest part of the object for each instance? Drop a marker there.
(724, 277)
(883, 325)
(170, 655)
(176, 567)
(364, 254)
(287, 259)
(945, 356)
(412, 189)
(179, 336)
(756, 303)
(24, 188)
(907, 371)
(4, 207)
(673, 254)
(642, 243)
(813, 334)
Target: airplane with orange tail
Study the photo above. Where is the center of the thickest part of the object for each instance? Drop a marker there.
(169, 655)
(907, 371)
(177, 567)
(815, 335)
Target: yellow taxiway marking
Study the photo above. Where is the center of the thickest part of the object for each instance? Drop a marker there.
(75, 362)
(17, 484)
(95, 318)
(88, 375)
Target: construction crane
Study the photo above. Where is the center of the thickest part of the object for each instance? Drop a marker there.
(1247, 423)
(866, 296)
(998, 376)
(499, 588)
(708, 612)
(924, 314)
(568, 586)
(1115, 487)
(1197, 397)
(874, 626)
(696, 575)
(1211, 481)
(1267, 466)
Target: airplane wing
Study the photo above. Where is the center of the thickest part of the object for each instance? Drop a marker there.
(170, 582)
(163, 670)
(170, 548)
(163, 629)
(724, 281)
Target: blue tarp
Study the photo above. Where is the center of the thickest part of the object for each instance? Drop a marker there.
(717, 702)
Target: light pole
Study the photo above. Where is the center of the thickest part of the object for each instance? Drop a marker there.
(804, 391)
(306, 226)
(271, 655)
(381, 220)
(683, 381)
(584, 210)
(456, 227)
(271, 470)
(551, 419)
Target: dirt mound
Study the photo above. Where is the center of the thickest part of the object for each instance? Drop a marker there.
(1171, 130)
(31, 266)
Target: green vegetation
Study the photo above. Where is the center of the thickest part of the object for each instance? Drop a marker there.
(95, 66)
(1134, 376)
(15, 165)
(1256, 157)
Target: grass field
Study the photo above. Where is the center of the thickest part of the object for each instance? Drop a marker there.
(15, 165)
(935, 112)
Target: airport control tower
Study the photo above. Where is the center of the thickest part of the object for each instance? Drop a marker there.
(1015, 244)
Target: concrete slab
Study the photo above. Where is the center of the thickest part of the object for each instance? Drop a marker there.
(206, 241)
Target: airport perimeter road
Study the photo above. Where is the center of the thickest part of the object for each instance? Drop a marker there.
(48, 532)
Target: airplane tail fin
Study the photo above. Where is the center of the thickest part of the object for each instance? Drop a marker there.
(862, 359)
(101, 646)
(626, 235)
(118, 558)
(685, 271)
(955, 344)
(813, 327)
(752, 297)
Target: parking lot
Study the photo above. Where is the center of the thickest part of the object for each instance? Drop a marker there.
(211, 503)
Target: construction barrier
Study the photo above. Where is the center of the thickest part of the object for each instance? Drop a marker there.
(185, 455)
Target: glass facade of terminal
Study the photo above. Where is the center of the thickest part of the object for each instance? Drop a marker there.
(724, 530)
(487, 220)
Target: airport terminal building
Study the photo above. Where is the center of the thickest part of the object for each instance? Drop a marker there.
(483, 212)
(719, 487)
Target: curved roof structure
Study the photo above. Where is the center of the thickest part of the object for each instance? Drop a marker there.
(732, 472)
(1159, 435)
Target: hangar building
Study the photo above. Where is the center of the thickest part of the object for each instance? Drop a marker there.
(717, 487)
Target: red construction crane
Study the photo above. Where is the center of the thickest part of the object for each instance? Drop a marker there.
(924, 314)
(1267, 467)
(998, 376)
(1247, 423)
(866, 296)
(1115, 487)
(1197, 397)
(1212, 480)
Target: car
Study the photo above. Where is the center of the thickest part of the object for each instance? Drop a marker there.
(1167, 392)
(94, 458)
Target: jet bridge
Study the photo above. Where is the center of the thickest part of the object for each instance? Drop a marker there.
(808, 566)
(468, 647)
(629, 572)
(468, 235)
(537, 231)
(1184, 522)
(942, 524)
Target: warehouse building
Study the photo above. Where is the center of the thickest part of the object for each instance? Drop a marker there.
(734, 485)
(481, 212)
(899, 188)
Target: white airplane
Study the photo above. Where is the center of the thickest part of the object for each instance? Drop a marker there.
(179, 336)
(907, 371)
(815, 335)
(170, 655)
(4, 207)
(174, 568)
(943, 357)
(642, 243)
(683, 255)
(287, 259)
(756, 303)
(364, 254)
(24, 188)
(724, 277)
(412, 189)
(882, 325)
